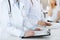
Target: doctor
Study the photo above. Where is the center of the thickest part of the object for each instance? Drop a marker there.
(9, 24)
(35, 15)
(12, 20)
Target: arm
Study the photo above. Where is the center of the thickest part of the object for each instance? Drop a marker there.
(41, 23)
(58, 18)
(15, 32)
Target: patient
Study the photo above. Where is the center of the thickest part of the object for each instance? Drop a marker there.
(54, 11)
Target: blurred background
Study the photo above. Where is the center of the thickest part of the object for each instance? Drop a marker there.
(45, 3)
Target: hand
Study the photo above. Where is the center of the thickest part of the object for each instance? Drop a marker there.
(37, 29)
(48, 24)
(29, 33)
(41, 23)
(56, 21)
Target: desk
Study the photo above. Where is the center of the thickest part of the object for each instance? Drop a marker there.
(54, 26)
(55, 35)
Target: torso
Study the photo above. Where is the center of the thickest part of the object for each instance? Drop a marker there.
(54, 13)
(35, 12)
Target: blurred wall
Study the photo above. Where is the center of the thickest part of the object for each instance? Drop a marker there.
(44, 3)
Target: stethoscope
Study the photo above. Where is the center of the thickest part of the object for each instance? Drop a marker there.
(32, 1)
(17, 3)
(10, 12)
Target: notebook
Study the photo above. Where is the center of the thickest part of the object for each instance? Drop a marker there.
(41, 33)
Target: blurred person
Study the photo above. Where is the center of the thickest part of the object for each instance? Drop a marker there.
(53, 11)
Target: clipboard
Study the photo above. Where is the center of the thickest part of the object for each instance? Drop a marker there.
(38, 36)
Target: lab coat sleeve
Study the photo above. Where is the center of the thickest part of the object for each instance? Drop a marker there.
(15, 32)
(27, 23)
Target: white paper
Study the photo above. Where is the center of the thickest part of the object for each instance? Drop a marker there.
(42, 32)
(53, 26)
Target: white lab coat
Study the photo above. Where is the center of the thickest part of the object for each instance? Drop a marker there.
(16, 29)
(27, 23)
(34, 14)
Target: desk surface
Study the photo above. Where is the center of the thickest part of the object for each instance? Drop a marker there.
(54, 26)
(55, 35)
